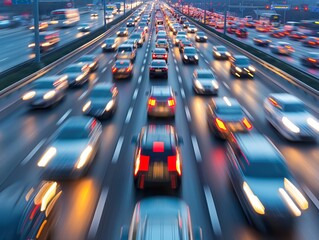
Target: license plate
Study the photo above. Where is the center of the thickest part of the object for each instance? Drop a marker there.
(158, 70)
(158, 170)
(160, 56)
(235, 127)
(121, 70)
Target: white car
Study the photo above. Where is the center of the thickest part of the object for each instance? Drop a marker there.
(289, 116)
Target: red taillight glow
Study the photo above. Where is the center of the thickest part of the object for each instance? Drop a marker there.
(153, 56)
(158, 146)
(141, 162)
(312, 60)
(174, 164)
(165, 56)
(34, 211)
(152, 102)
(247, 124)
(220, 124)
(114, 69)
(171, 102)
(128, 69)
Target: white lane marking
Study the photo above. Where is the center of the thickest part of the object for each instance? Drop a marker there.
(129, 114)
(175, 61)
(206, 61)
(3, 59)
(33, 152)
(10, 104)
(212, 211)
(139, 79)
(226, 85)
(179, 79)
(188, 115)
(201, 54)
(110, 61)
(135, 93)
(196, 149)
(144, 61)
(83, 95)
(146, 51)
(174, 55)
(142, 69)
(65, 115)
(183, 93)
(213, 70)
(177, 69)
(104, 69)
(248, 114)
(311, 196)
(95, 80)
(98, 213)
(114, 55)
(118, 150)
(145, 55)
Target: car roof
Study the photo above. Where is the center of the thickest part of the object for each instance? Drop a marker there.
(161, 90)
(237, 57)
(158, 60)
(226, 102)
(158, 133)
(282, 98)
(78, 122)
(163, 50)
(203, 70)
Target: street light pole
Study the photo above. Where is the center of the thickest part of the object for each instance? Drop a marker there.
(205, 12)
(104, 9)
(36, 31)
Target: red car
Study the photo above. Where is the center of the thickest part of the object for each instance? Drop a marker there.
(242, 33)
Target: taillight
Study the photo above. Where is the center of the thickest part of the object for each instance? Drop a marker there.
(220, 124)
(114, 69)
(128, 69)
(312, 60)
(171, 102)
(152, 102)
(247, 124)
(141, 162)
(174, 164)
(153, 56)
(165, 56)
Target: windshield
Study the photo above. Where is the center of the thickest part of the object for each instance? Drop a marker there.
(221, 48)
(200, 34)
(293, 107)
(122, 64)
(122, 29)
(190, 50)
(86, 59)
(265, 169)
(72, 133)
(242, 61)
(125, 49)
(229, 110)
(136, 36)
(205, 75)
(43, 85)
(100, 93)
(109, 41)
(160, 50)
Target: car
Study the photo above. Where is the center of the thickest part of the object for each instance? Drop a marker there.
(184, 42)
(240, 66)
(310, 59)
(219, 25)
(102, 102)
(84, 27)
(161, 35)
(132, 42)
(270, 197)
(109, 16)
(288, 115)
(160, 28)
(157, 158)
(178, 38)
(295, 35)
(241, 32)
(29, 211)
(144, 26)
(250, 24)
(126, 51)
(162, 43)
(158, 68)
(94, 15)
(138, 37)
(110, 44)
(261, 40)
(221, 52)
(282, 48)
(72, 149)
(232, 29)
(122, 32)
(191, 29)
(190, 55)
(204, 82)
(160, 53)
(311, 42)
(46, 91)
(77, 73)
(91, 60)
(122, 69)
(200, 37)
(186, 24)
(277, 33)
(225, 115)
(163, 215)
(161, 102)
(130, 23)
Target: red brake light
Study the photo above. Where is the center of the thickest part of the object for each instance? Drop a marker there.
(153, 56)
(35, 209)
(141, 162)
(174, 164)
(312, 60)
(165, 56)
(114, 69)
(247, 124)
(152, 102)
(171, 102)
(220, 124)
(158, 146)
(128, 69)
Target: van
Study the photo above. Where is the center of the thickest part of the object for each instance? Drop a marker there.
(126, 51)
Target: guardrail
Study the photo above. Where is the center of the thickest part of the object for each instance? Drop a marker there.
(29, 71)
(294, 76)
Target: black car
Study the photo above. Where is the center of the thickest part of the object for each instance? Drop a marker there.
(261, 40)
(221, 52)
(110, 44)
(122, 32)
(102, 102)
(200, 37)
(268, 194)
(225, 115)
(158, 68)
(310, 59)
(130, 23)
(240, 66)
(157, 157)
(122, 69)
(190, 55)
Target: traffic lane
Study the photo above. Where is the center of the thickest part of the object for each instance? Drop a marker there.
(121, 205)
(214, 168)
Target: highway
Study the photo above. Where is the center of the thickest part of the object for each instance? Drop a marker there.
(98, 205)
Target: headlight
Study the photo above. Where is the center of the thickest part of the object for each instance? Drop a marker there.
(49, 95)
(177, 41)
(296, 194)
(79, 78)
(218, 54)
(103, 45)
(251, 68)
(198, 84)
(196, 57)
(84, 157)
(197, 37)
(118, 33)
(140, 41)
(92, 65)
(254, 200)
(205, 37)
(313, 123)
(215, 84)
(227, 54)
(290, 125)
(109, 105)
(114, 45)
(86, 106)
(47, 156)
(31, 45)
(28, 95)
(185, 57)
(238, 69)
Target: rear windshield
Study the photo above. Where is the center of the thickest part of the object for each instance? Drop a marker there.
(71, 133)
(43, 85)
(229, 110)
(100, 93)
(122, 64)
(158, 63)
(124, 49)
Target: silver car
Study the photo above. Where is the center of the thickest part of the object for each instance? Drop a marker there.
(204, 82)
(72, 149)
(289, 116)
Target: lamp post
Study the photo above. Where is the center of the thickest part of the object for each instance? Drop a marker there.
(205, 12)
(36, 31)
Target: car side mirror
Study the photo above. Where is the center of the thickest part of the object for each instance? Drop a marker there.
(134, 139)
(124, 233)
(198, 233)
